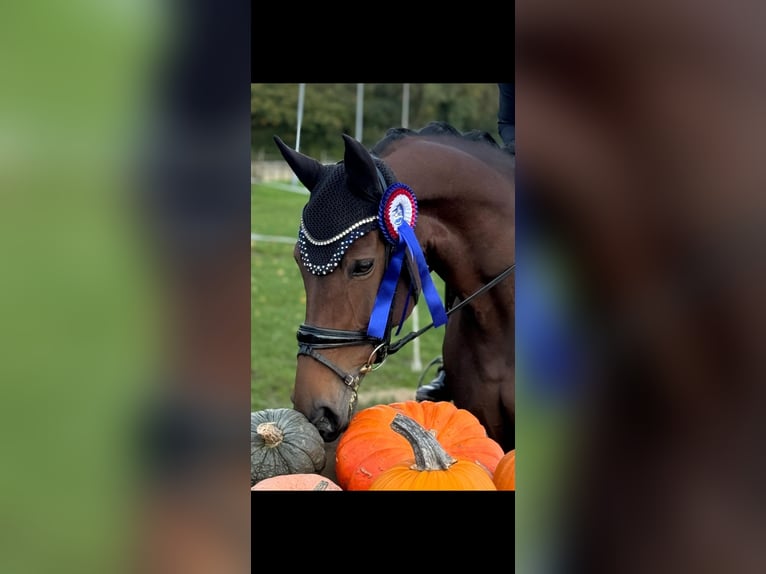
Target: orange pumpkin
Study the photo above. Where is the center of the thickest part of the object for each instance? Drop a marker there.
(433, 468)
(306, 481)
(505, 473)
(369, 446)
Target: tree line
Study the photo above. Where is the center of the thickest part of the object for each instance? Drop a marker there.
(330, 110)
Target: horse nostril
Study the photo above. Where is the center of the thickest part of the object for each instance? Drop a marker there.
(327, 425)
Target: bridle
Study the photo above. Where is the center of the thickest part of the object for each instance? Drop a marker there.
(311, 338)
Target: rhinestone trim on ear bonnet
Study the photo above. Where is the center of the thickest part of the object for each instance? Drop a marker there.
(335, 217)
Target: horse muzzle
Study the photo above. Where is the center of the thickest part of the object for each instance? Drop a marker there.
(329, 421)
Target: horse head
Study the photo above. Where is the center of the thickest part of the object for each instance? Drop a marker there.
(342, 257)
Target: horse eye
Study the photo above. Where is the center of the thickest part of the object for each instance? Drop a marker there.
(362, 266)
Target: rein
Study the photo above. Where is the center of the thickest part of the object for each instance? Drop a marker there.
(415, 334)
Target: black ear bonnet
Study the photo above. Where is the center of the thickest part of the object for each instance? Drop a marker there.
(335, 216)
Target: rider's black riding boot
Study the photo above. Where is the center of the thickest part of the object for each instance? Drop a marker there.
(435, 391)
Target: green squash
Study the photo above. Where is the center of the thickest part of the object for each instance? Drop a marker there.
(283, 441)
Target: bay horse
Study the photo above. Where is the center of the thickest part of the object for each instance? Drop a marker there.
(458, 190)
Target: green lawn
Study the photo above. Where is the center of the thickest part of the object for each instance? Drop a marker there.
(278, 307)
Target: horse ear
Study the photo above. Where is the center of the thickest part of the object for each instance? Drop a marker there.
(360, 169)
(307, 169)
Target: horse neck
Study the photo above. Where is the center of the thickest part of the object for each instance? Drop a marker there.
(465, 215)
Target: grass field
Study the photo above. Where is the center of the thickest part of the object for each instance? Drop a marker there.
(278, 308)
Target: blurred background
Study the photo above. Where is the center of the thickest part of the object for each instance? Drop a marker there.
(640, 316)
(124, 289)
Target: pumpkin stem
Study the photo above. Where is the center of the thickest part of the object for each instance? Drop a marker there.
(429, 453)
(272, 435)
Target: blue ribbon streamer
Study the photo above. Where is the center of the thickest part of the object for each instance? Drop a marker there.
(385, 297)
(379, 316)
(435, 306)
